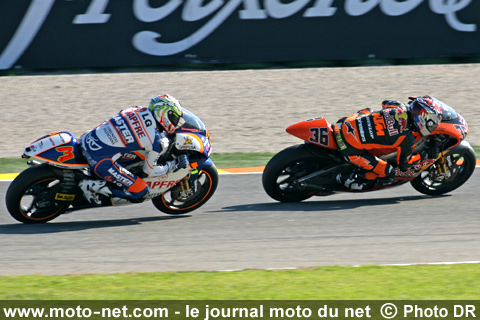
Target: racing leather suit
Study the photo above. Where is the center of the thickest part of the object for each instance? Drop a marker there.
(132, 131)
(363, 136)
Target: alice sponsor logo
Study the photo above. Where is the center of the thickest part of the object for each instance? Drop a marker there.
(216, 11)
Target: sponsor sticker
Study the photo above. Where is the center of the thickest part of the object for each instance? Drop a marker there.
(64, 197)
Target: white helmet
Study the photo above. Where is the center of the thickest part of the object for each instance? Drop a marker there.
(167, 111)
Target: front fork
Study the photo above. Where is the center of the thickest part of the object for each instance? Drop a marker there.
(442, 164)
(184, 185)
(187, 184)
(441, 169)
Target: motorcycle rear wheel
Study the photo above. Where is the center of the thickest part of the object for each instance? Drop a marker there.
(463, 164)
(173, 202)
(284, 168)
(29, 197)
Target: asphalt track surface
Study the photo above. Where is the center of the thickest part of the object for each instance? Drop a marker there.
(242, 228)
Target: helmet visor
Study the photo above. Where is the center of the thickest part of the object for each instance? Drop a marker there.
(176, 120)
(426, 123)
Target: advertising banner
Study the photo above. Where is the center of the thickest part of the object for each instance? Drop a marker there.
(126, 33)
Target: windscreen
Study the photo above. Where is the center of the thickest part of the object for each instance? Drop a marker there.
(447, 112)
(192, 122)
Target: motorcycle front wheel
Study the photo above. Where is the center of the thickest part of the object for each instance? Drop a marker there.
(460, 166)
(178, 200)
(30, 197)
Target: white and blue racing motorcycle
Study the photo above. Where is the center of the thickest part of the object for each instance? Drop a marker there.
(49, 187)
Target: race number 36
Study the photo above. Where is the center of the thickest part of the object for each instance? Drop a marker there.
(319, 136)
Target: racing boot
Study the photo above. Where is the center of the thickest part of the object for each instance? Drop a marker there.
(352, 180)
(92, 188)
(384, 181)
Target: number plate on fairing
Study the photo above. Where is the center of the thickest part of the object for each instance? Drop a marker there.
(58, 149)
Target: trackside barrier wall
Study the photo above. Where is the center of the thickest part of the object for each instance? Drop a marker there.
(126, 33)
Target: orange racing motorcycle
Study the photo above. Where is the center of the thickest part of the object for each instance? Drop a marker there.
(310, 169)
(49, 187)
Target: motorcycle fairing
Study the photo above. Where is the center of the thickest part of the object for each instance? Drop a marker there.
(160, 184)
(58, 149)
(186, 139)
(456, 128)
(193, 135)
(194, 142)
(317, 131)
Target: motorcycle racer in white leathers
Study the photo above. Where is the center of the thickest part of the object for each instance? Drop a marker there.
(139, 131)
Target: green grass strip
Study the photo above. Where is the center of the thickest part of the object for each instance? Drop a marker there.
(227, 160)
(239, 159)
(221, 160)
(12, 165)
(423, 282)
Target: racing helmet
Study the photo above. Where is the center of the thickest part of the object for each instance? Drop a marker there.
(167, 111)
(426, 114)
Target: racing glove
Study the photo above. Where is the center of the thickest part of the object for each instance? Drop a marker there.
(393, 104)
(365, 111)
(182, 162)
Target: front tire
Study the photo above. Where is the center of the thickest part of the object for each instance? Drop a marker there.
(460, 163)
(29, 197)
(175, 202)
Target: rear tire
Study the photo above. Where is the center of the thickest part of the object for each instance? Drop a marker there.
(285, 167)
(29, 198)
(173, 202)
(463, 164)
